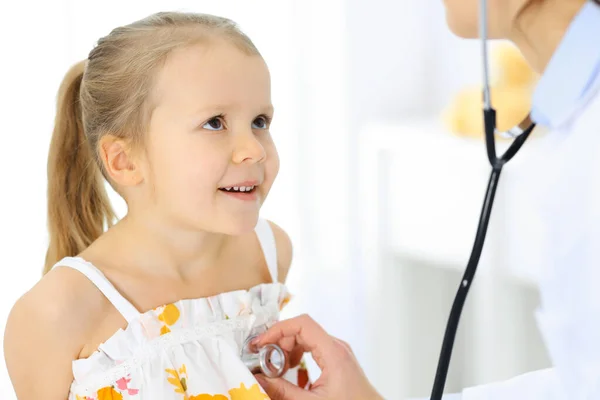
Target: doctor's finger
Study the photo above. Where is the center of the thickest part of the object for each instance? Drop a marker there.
(288, 343)
(345, 345)
(295, 356)
(306, 333)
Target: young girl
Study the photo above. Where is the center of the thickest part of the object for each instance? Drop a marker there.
(174, 112)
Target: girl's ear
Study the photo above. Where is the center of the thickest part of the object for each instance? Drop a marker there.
(119, 161)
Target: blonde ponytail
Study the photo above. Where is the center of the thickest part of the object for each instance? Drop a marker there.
(78, 205)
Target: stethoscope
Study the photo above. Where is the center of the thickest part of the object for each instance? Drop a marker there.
(519, 133)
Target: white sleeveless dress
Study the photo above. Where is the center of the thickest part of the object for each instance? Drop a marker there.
(189, 349)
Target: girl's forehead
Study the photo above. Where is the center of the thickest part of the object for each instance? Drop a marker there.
(211, 77)
(219, 73)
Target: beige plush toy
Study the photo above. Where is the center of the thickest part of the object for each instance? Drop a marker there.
(511, 88)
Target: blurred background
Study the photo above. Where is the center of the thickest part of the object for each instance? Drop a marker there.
(383, 173)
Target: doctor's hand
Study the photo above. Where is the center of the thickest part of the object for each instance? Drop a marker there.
(341, 376)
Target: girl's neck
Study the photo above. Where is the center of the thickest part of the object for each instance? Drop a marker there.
(539, 28)
(166, 251)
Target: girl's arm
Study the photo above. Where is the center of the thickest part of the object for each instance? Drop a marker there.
(44, 333)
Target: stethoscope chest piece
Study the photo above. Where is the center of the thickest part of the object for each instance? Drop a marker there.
(269, 360)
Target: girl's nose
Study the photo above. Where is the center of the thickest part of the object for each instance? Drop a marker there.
(247, 148)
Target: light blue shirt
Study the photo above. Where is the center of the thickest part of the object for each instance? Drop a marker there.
(572, 70)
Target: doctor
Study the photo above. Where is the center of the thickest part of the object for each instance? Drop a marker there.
(561, 40)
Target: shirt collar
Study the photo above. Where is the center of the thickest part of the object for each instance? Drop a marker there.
(572, 70)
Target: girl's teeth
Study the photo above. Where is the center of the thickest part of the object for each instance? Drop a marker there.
(240, 189)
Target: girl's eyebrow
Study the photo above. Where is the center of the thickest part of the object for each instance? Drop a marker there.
(269, 109)
(220, 108)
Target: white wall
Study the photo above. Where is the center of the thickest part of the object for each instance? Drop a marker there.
(403, 63)
(404, 60)
(31, 63)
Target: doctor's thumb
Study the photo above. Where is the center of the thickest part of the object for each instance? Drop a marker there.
(280, 389)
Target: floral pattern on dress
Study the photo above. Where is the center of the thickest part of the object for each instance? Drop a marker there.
(111, 393)
(169, 315)
(179, 379)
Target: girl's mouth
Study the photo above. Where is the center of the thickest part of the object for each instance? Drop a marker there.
(240, 192)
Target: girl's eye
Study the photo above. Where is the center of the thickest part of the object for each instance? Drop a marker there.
(214, 124)
(261, 122)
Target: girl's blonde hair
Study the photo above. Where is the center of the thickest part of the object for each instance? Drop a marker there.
(110, 93)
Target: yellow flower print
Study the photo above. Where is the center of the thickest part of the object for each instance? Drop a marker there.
(285, 301)
(169, 315)
(109, 393)
(179, 378)
(252, 393)
(180, 382)
(164, 329)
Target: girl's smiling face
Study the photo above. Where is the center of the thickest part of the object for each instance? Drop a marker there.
(208, 135)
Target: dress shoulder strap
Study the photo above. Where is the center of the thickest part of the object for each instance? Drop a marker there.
(127, 310)
(265, 235)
